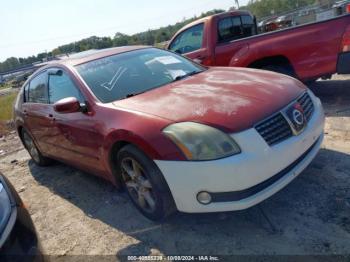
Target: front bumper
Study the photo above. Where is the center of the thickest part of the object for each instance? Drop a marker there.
(241, 181)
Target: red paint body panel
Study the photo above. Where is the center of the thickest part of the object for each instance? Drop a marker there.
(311, 49)
(232, 99)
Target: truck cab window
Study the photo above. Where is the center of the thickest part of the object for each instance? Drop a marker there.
(230, 28)
(189, 40)
(233, 28)
(248, 25)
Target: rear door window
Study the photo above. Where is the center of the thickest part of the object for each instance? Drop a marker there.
(189, 40)
(38, 89)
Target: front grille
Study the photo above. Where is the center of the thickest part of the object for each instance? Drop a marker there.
(307, 105)
(275, 129)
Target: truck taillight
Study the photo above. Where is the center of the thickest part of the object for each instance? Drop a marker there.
(207, 61)
(348, 8)
(346, 40)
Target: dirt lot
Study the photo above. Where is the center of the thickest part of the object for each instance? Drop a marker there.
(76, 213)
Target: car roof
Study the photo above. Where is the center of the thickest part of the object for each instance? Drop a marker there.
(218, 15)
(90, 55)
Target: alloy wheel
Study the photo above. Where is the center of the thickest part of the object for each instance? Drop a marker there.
(137, 184)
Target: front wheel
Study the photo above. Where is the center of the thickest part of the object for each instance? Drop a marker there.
(145, 184)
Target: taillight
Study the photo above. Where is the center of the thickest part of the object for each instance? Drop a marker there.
(348, 8)
(346, 40)
(207, 61)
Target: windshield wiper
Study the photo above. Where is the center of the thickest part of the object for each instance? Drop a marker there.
(186, 75)
(132, 94)
(176, 79)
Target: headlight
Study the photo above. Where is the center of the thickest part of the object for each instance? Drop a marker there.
(201, 142)
(5, 207)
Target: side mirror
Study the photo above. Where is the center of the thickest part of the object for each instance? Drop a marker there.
(67, 105)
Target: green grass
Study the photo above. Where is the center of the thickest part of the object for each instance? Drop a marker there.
(6, 106)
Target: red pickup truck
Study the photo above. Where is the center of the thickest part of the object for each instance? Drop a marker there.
(306, 52)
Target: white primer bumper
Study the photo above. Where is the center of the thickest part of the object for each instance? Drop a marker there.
(257, 163)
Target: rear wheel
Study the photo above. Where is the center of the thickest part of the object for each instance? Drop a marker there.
(33, 150)
(145, 184)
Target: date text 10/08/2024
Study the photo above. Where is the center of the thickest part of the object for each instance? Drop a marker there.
(173, 258)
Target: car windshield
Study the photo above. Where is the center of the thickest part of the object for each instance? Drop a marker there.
(123, 75)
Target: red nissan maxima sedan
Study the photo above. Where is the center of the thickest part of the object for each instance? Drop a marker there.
(174, 134)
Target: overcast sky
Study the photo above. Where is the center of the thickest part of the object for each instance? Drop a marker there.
(30, 27)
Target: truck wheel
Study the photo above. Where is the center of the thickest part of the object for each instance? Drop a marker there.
(286, 70)
(309, 83)
(33, 150)
(145, 184)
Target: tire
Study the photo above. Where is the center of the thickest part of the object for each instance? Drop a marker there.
(311, 82)
(145, 184)
(33, 150)
(286, 70)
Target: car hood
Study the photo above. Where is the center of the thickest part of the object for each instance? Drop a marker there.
(233, 99)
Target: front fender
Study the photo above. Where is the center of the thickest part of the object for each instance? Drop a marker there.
(155, 145)
(132, 138)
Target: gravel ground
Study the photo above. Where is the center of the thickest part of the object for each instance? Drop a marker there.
(76, 213)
